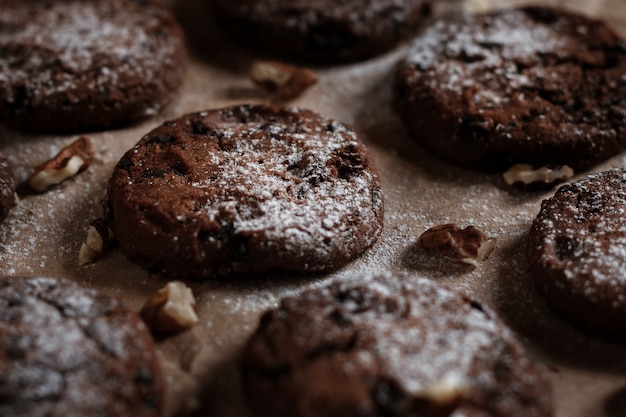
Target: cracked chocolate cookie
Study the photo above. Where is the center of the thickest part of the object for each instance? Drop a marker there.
(7, 188)
(322, 30)
(388, 345)
(577, 252)
(69, 65)
(245, 189)
(66, 350)
(533, 85)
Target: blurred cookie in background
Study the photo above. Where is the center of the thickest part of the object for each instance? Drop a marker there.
(78, 65)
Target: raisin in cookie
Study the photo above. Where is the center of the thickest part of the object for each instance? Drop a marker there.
(67, 65)
(7, 188)
(533, 85)
(245, 189)
(66, 350)
(321, 30)
(388, 345)
(577, 252)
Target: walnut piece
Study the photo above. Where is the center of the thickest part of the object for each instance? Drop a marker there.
(171, 309)
(446, 391)
(70, 161)
(476, 6)
(525, 174)
(469, 245)
(99, 238)
(286, 81)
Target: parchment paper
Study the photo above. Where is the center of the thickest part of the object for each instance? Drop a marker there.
(43, 233)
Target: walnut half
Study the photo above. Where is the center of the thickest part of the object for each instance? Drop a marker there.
(71, 160)
(286, 81)
(469, 245)
(171, 309)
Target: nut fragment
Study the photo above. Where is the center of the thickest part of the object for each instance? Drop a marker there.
(469, 245)
(476, 6)
(287, 81)
(448, 390)
(70, 161)
(99, 238)
(525, 174)
(171, 309)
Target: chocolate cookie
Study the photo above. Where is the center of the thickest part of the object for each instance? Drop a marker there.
(66, 350)
(321, 30)
(533, 85)
(577, 252)
(7, 188)
(245, 189)
(68, 64)
(388, 346)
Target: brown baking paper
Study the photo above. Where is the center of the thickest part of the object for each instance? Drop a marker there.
(44, 232)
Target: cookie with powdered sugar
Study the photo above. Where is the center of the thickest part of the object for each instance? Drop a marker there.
(67, 350)
(323, 30)
(245, 189)
(68, 65)
(577, 252)
(7, 187)
(533, 85)
(388, 345)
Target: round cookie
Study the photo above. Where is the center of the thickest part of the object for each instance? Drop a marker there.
(7, 188)
(67, 64)
(245, 189)
(533, 85)
(321, 30)
(577, 252)
(66, 350)
(388, 345)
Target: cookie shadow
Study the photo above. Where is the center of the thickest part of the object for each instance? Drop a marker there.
(432, 264)
(198, 384)
(225, 383)
(615, 404)
(275, 282)
(111, 273)
(206, 41)
(8, 137)
(80, 214)
(222, 382)
(526, 313)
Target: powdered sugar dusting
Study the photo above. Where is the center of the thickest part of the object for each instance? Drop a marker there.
(39, 230)
(583, 232)
(285, 179)
(534, 85)
(7, 182)
(303, 14)
(453, 54)
(425, 340)
(97, 45)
